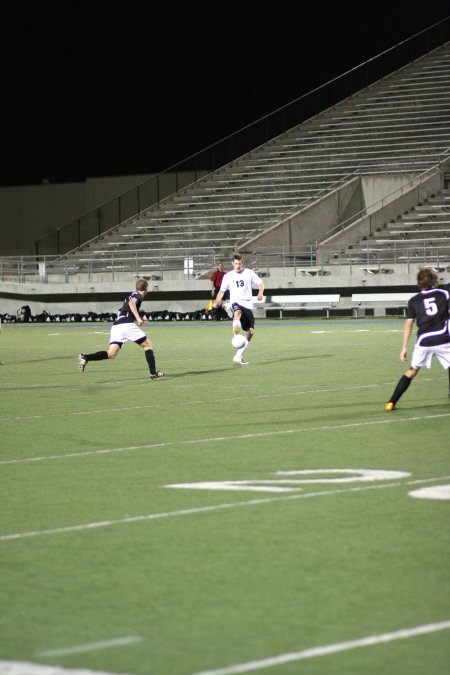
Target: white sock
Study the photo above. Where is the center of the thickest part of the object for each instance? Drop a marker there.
(237, 323)
(242, 349)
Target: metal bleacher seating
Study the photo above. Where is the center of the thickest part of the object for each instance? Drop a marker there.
(399, 124)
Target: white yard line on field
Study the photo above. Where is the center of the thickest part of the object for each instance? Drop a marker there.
(209, 509)
(390, 419)
(92, 646)
(325, 650)
(23, 668)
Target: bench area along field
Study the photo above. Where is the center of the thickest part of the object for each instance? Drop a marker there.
(271, 518)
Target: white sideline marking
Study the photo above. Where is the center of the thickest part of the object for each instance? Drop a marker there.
(324, 650)
(77, 413)
(93, 332)
(23, 668)
(207, 509)
(218, 439)
(92, 646)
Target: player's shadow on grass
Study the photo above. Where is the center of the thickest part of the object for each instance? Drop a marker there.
(236, 367)
(296, 358)
(187, 373)
(50, 358)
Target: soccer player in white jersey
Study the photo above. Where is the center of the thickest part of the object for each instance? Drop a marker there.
(239, 282)
(430, 309)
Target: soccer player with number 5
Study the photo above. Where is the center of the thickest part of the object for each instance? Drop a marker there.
(430, 309)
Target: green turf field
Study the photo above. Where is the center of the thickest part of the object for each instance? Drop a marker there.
(291, 542)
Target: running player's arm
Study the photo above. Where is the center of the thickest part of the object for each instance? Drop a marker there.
(261, 290)
(407, 330)
(134, 311)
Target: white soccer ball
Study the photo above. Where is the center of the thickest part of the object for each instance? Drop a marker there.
(238, 341)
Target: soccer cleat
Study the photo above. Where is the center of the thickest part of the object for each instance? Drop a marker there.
(240, 360)
(82, 362)
(389, 407)
(157, 375)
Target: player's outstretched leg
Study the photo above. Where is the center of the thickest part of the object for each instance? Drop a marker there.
(96, 356)
(150, 358)
(399, 390)
(238, 358)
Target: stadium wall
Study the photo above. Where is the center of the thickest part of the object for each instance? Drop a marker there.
(30, 212)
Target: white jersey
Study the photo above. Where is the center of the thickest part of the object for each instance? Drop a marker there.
(240, 286)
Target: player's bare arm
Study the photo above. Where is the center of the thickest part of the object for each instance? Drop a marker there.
(133, 309)
(407, 330)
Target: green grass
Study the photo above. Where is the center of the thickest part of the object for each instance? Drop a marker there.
(208, 578)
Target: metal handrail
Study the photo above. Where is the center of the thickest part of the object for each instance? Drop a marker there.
(417, 180)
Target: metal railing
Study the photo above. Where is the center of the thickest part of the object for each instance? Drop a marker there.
(152, 192)
(198, 264)
(303, 260)
(415, 183)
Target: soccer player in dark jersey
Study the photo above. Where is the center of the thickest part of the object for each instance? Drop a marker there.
(125, 329)
(430, 309)
(446, 287)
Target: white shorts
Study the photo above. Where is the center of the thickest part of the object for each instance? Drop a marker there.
(126, 331)
(422, 356)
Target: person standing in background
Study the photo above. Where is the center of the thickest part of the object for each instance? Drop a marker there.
(216, 279)
(216, 282)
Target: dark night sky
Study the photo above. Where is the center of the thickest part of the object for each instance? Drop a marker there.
(101, 88)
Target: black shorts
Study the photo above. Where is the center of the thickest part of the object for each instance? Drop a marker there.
(247, 316)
